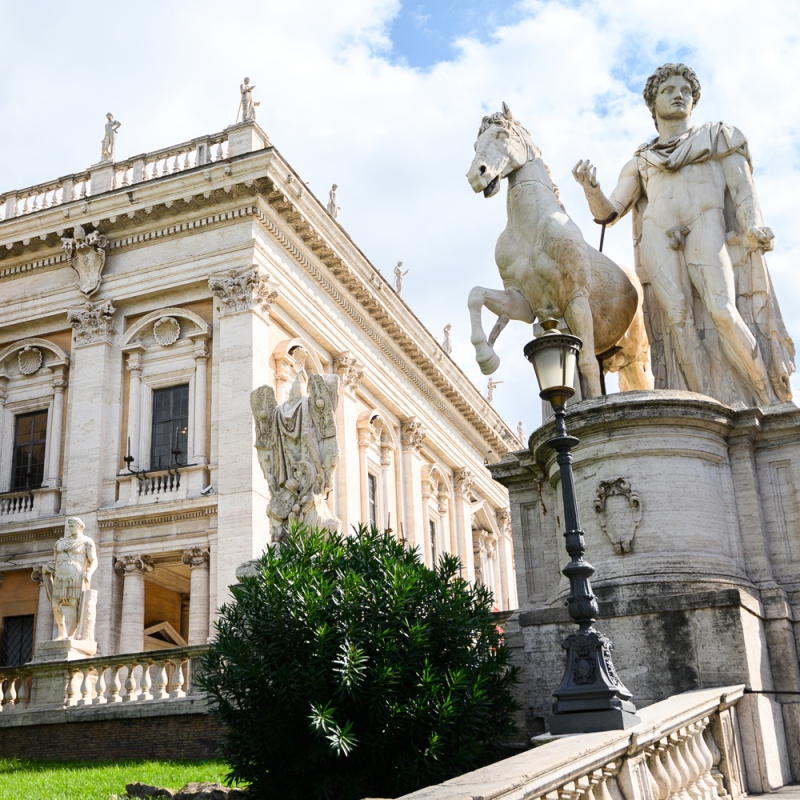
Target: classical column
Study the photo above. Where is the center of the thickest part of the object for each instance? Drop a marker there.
(44, 612)
(131, 634)
(463, 481)
(197, 559)
(241, 353)
(201, 354)
(134, 366)
(364, 441)
(348, 470)
(56, 429)
(412, 435)
(505, 554)
(3, 398)
(386, 463)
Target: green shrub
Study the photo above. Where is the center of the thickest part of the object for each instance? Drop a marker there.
(347, 669)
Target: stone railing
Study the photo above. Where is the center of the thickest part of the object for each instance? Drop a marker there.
(686, 748)
(16, 502)
(146, 167)
(101, 680)
(161, 482)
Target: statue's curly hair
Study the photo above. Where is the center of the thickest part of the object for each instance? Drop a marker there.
(660, 75)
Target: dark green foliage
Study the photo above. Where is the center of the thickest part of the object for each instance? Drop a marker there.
(347, 669)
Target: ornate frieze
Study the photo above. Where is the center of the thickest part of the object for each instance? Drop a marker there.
(92, 323)
(412, 434)
(348, 370)
(619, 527)
(249, 291)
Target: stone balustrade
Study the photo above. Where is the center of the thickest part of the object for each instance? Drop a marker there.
(160, 483)
(146, 167)
(16, 503)
(101, 680)
(686, 748)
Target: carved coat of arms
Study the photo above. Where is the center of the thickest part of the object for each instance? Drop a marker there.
(86, 253)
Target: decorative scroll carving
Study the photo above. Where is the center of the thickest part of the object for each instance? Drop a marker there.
(412, 434)
(86, 253)
(166, 331)
(29, 360)
(250, 290)
(624, 529)
(463, 480)
(92, 323)
(126, 564)
(195, 557)
(348, 370)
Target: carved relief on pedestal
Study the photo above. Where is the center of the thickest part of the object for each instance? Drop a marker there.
(93, 323)
(86, 253)
(348, 370)
(166, 331)
(250, 290)
(412, 434)
(620, 521)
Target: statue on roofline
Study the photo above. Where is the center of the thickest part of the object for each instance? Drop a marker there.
(712, 317)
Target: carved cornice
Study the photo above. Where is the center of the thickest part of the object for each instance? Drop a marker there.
(195, 557)
(412, 434)
(348, 369)
(251, 290)
(93, 323)
(125, 565)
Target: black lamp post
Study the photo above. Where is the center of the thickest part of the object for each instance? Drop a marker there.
(591, 696)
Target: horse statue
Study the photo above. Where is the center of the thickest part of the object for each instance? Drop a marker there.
(549, 270)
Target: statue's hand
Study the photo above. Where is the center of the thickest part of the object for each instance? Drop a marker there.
(586, 174)
(760, 238)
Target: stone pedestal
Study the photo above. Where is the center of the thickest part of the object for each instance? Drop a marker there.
(692, 522)
(64, 650)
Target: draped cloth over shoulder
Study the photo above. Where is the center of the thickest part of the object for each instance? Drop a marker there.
(755, 296)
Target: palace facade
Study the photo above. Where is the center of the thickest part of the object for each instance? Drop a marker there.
(140, 304)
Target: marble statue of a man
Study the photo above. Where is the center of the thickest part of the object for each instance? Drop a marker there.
(298, 451)
(67, 581)
(713, 320)
(110, 138)
(248, 106)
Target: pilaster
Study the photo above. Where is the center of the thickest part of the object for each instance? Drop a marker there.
(412, 436)
(463, 481)
(348, 475)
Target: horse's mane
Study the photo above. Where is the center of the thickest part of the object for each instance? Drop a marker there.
(510, 124)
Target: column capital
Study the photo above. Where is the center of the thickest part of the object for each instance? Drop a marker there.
(59, 379)
(125, 565)
(249, 291)
(200, 341)
(348, 370)
(195, 557)
(503, 516)
(92, 323)
(464, 481)
(412, 434)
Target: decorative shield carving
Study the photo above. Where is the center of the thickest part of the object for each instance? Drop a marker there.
(619, 520)
(86, 253)
(29, 360)
(166, 331)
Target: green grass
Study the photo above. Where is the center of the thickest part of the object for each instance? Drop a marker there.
(77, 780)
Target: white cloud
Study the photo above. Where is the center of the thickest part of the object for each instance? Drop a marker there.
(398, 141)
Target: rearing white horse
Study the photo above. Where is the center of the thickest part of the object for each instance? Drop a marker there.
(549, 270)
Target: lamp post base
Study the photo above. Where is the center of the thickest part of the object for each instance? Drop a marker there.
(611, 719)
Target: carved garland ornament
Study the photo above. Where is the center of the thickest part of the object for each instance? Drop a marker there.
(613, 487)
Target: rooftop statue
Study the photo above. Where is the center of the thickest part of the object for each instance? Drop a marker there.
(297, 450)
(548, 270)
(333, 207)
(398, 277)
(67, 582)
(110, 138)
(248, 107)
(699, 241)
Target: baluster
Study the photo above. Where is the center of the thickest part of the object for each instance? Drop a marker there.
(87, 689)
(3, 680)
(716, 757)
(11, 692)
(704, 758)
(162, 681)
(100, 686)
(116, 684)
(146, 681)
(682, 767)
(186, 164)
(178, 678)
(693, 770)
(72, 693)
(665, 747)
(219, 152)
(659, 775)
(23, 697)
(130, 683)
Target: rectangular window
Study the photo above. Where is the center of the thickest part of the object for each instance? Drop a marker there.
(433, 542)
(372, 504)
(17, 645)
(30, 433)
(170, 427)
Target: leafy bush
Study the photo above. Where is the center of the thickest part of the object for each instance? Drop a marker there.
(346, 669)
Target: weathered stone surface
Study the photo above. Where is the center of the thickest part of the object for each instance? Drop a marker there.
(144, 790)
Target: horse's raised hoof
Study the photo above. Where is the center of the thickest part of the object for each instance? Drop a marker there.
(490, 364)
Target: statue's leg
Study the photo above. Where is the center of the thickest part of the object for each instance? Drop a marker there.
(506, 303)
(73, 617)
(669, 280)
(578, 315)
(636, 372)
(711, 272)
(60, 624)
